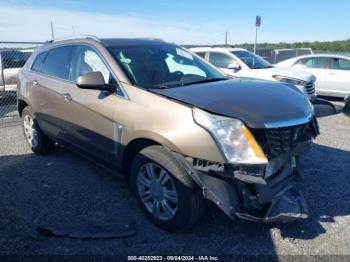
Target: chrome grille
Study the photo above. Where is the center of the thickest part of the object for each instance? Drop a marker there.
(275, 141)
(310, 87)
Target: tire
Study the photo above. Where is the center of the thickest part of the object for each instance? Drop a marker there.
(36, 139)
(190, 204)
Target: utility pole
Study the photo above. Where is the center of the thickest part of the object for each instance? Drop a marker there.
(226, 38)
(52, 34)
(257, 24)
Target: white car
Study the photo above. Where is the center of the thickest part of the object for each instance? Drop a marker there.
(332, 72)
(242, 63)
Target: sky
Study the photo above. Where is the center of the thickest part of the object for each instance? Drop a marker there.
(180, 21)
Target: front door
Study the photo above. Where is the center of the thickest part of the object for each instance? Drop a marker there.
(89, 113)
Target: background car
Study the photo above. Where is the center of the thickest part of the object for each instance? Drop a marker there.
(243, 63)
(11, 61)
(332, 72)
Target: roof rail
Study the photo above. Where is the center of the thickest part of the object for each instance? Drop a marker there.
(75, 37)
(223, 45)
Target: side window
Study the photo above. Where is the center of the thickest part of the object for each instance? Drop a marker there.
(220, 60)
(86, 60)
(201, 54)
(57, 62)
(340, 64)
(38, 62)
(314, 62)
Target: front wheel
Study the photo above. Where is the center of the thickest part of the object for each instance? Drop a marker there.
(164, 191)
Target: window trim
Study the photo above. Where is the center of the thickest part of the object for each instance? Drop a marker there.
(74, 45)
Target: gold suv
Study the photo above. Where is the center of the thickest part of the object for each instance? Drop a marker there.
(179, 130)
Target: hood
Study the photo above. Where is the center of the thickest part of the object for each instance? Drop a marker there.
(257, 103)
(289, 72)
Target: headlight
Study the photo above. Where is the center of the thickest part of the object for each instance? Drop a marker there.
(297, 82)
(234, 139)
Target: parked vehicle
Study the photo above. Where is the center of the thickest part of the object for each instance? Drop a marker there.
(332, 72)
(346, 108)
(10, 63)
(180, 131)
(243, 63)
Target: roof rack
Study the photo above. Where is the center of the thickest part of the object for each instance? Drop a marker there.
(223, 45)
(75, 37)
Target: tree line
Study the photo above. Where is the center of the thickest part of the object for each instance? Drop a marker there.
(334, 46)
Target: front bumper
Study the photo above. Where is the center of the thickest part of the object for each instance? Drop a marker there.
(274, 199)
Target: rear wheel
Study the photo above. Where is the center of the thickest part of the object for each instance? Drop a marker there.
(36, 139)
(164, 191)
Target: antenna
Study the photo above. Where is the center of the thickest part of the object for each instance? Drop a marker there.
(226, 37)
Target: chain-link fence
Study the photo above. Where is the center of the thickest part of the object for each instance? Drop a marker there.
(277, 55)
(13, 56)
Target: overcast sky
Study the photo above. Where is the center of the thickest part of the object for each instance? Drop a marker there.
(184, 22)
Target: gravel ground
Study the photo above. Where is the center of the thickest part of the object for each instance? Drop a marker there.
(65, 188)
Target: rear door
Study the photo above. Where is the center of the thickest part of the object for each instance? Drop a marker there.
(89, 113)
(318, 67)
(48, 75)
(338, 76)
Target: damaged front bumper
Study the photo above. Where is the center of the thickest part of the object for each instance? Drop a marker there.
(265, 193)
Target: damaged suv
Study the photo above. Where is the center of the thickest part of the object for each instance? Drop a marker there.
(180, 131)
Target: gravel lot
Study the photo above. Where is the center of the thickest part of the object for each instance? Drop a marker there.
(65, 188)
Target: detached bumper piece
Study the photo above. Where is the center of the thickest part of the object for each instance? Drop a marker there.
(289, 207)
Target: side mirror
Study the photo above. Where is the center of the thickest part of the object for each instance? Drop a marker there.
(94, 80)
(234, 66)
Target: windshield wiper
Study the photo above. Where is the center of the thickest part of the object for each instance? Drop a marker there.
(205, 81)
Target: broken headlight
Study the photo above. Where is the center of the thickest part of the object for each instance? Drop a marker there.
(235, 140)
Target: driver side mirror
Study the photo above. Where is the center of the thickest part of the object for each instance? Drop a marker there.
(234, 66)
(95, 81)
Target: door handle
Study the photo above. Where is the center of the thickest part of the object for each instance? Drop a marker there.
(67, 97)
(333, 74)
(35, 82)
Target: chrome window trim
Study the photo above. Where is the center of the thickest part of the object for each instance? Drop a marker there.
(293, 122)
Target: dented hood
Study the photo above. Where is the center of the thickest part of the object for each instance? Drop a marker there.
(258, 103)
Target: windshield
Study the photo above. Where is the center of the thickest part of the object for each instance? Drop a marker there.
(251, 60)
(163, 66)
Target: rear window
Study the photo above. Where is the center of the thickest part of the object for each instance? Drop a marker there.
(57, 62)
(38, 62)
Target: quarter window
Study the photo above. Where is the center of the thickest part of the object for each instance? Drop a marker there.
(57, 62)
(201, 54)
(38, 62)
(340, 64)
(86, 60)
(220, 60)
